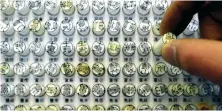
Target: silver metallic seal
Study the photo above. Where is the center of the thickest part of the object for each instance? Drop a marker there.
(144, 27)
(98, 27)
(83, 48)
(82, 7)
(114, 69)
(22, 90)
(129, 90)
(37, 90)
(37, 7)
(113, 27)
(157, 48)
(21, 27)
(67, 48)
(144, 69)
(159, 90)
(37, 69)
(98, 69)
(37, 27)
(37, 48)
(98, 48)
(21, 48)
(159, 6)
(144, 7)
(83, 90)
(67, 7)
(113, 7)
(7, 90)
(144, 48)
(129, 48)
(113, 48)
(7, 27)
(129, 7)
(21, 6)
(6, 48)
(82, 27)
(129, 27)
(52, 7)
(6, 7)
(129, 69)
(144, 90)
(113, 90)
(52, 90)
(67, 27)
(21, 69)
(98, 90)
(52, 27)
(98, 7)
(52, 69)
(67, 90)
(67, 69)
(6, 69)
(52, 48)
(159, 69)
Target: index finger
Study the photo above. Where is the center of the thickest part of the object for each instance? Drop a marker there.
(178, 16)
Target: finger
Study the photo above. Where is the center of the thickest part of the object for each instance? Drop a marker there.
(209, 28)
(178, 16)
(196, 56)
(215, 10)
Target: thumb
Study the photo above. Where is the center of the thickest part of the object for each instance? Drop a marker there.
(198, 57)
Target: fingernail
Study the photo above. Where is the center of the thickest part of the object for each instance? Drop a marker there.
(169, 53)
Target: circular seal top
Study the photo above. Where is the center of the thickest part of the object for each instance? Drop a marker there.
(114, 69)
(52, 90)
(4, 68)
(129, 107)
(35, 25)
(114, 4)
(144, 69)
(129, 69)
(83, 69)
(50, 4)
(114, 48)
(113, 90)
(98, 48)
(161, 4)
(98, 108)
(160, 107)
(67, 69)
(190, 107)
(113, 108)
(66, 4)
(4, 4)
(35, 47)
(98, 69)
(159, 90)
(38, 108)
(4, 47)
(83, 108)
(168, 37)
(129, 90)
(19, 25)
(83, 90)
(35, 4)
(144, 90)
(82, 48)
(98, 90)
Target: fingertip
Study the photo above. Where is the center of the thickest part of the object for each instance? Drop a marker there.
(196, 56)
(178, 16)
(169, 53)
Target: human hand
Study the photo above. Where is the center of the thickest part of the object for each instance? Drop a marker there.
(200, 57)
